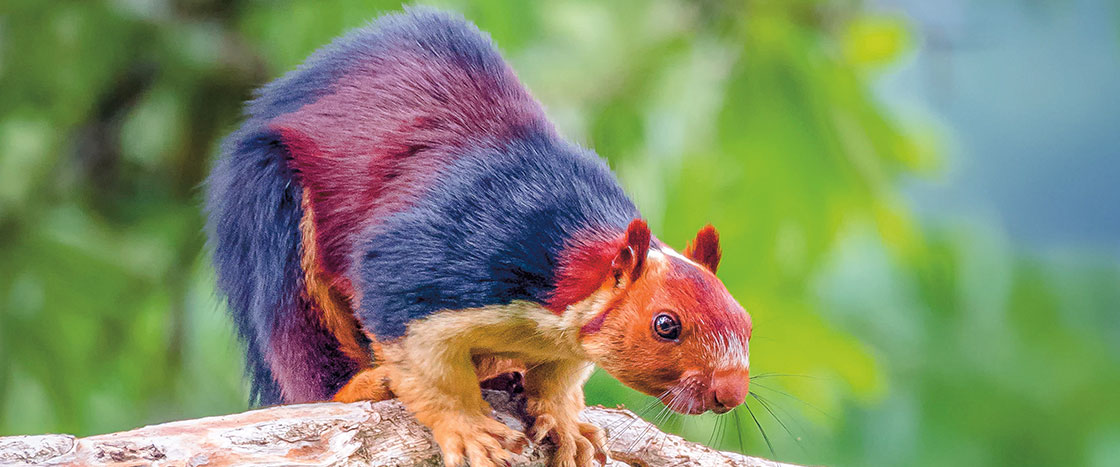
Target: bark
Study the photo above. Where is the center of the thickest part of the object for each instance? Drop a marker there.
(364, 433)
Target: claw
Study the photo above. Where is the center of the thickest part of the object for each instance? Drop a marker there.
(577, 444)
(481, 441)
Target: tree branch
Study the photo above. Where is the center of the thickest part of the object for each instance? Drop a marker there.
(364, 433)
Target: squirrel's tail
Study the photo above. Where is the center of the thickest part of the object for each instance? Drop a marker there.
(254, 208)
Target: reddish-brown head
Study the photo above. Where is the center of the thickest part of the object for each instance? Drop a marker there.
(669, 327)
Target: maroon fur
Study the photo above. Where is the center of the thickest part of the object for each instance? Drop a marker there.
(637, 247)
(586, 264)
(705, 248)
(583, 268)
(370, 148)
(305, 357)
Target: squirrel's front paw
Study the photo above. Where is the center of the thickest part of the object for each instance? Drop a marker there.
(577, 443)
(481, 440)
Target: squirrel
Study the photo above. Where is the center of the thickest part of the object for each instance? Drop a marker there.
(397, 217)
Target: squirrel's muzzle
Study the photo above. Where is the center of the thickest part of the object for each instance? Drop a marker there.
(728, 389)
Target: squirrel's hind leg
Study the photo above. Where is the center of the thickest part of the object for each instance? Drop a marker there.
(370, 384)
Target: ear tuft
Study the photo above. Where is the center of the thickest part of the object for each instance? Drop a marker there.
(705, 248)
(632, 256)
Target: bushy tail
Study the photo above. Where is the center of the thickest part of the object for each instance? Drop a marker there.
(254, 215)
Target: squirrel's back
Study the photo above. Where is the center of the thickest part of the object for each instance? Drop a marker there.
(404, 164)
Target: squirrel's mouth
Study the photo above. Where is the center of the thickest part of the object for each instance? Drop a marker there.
(687, 397)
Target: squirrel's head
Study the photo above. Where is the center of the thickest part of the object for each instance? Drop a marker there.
(664, 324)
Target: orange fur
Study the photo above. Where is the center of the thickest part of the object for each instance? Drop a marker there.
(436, 367)
(333, 307)
(434, 370)
(370, 384)
(487, 367)
(555, 397)
(626, 347)
(440, 387)
(714, 329)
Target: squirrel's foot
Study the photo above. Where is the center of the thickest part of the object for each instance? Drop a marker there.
(481, 440)
(577, 443)
(370, 384)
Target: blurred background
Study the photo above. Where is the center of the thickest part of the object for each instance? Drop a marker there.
(918, 203)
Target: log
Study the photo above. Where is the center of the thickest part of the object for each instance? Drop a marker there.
(364, 433)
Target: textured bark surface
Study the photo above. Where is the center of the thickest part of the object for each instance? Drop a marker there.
(363, 433)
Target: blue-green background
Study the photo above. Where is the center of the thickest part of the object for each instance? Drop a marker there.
(918, 203)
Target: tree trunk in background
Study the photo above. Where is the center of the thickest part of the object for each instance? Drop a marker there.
(363, 433)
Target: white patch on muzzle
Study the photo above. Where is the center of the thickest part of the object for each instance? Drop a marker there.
(729, 351)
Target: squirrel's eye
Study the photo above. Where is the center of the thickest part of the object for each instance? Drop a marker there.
(667, 326)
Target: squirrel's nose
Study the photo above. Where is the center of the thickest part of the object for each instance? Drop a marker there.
(729, 389)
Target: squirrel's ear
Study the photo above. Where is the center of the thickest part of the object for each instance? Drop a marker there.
(705, 248)
(632, 256)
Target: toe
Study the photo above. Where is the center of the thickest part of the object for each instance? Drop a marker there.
(585, 452)
(544, 425)
(597, 438)
(453, 459)
(566, 448)
(480, 442)
(485, 451)
(452, 449)
(515, 442)
(479, 455)
(507, 437)
(593, 433)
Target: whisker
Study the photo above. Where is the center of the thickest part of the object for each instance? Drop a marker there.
(675, 423)
(640, 413)
(739, 430)
(657, 421)
(722, 430)
(798, 399)
(661, 417)
(715, 429)
(652, 403)
(780, 422)
(639, 438)
(616, 437)
(728, 420)
(789, 416)
(668, 408)
(625, 426)
(533, 366)
(690, 402)
(775, 375)
(760, 430)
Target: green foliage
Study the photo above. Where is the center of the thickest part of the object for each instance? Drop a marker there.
(908, 345)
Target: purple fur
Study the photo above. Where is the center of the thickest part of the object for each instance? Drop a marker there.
(436, 183)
